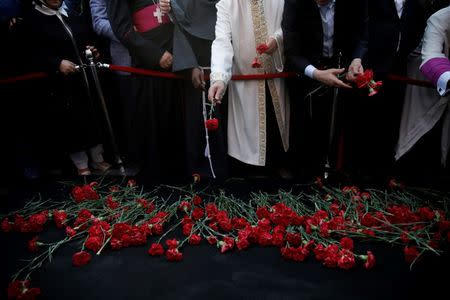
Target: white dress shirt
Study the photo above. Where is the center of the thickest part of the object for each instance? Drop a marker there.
(399, 4)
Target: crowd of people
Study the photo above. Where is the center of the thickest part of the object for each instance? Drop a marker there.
(341, 111)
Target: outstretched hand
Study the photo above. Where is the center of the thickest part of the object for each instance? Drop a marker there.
(329, 77)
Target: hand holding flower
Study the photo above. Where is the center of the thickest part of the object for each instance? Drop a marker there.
(355, 69)
(216, 91)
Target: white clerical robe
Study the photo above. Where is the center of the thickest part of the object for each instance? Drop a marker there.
(233, 52)
(424, 107)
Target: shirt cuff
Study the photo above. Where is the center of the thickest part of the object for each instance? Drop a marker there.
(442, 83)
(217, 76)
(309, 71)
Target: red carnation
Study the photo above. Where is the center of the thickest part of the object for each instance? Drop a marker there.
(365, 195)
(242, 243)
(262, 48)
(288, 252)
(331, 256)
(426, 213)
(363, 80)
(195, 239)
(156, 250)
(70, 231)
(6, 226)
(324, 229)
(294, 239)
(172, 244)
(90, 193)
(157, 229)
(110, 203)
(114, 189)
(211, 210)
(21, 290)
(444, 225)
(187, 228)
(256, 64)
(33, 244)
(212, 240)
(404, 237)
(319, 252)
(94, 243)
(116, 244)
(60, 218)
(198, 213)
(278, 239)
(347, 243)
(262, 213)
(346, 259)
(370, 260)
(78, 194)
(227, 244)
(369, 232)
(174, 255)
(81, 258)
(197, 200)
(212, 124)
(131, 183)
(411, 253)
(184, 206)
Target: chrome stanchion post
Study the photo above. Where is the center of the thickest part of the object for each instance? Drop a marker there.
(93, 66)
(332, 124)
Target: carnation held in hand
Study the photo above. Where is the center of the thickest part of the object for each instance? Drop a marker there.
(212, 124)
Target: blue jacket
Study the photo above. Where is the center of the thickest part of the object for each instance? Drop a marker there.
(119, 53)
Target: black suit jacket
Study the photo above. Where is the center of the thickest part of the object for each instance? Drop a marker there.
(303, 32)
(386, 29)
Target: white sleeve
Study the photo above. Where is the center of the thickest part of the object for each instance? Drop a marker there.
(433, 40)
(278, 55)
(222, 48)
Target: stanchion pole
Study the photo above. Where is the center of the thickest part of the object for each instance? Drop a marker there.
(93, 67)
(332, 124)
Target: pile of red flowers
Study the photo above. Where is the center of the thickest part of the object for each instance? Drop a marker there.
(324, 225)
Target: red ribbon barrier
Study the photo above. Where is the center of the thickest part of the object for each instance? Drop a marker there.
(144, 72)
(170, 75)
(25, 77)
(411, 81)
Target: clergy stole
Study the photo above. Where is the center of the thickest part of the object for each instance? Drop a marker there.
(261, 37)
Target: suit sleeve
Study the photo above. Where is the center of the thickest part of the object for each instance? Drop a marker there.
(145, 50)
(100, 22)
(362, 40)
(292, 37)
